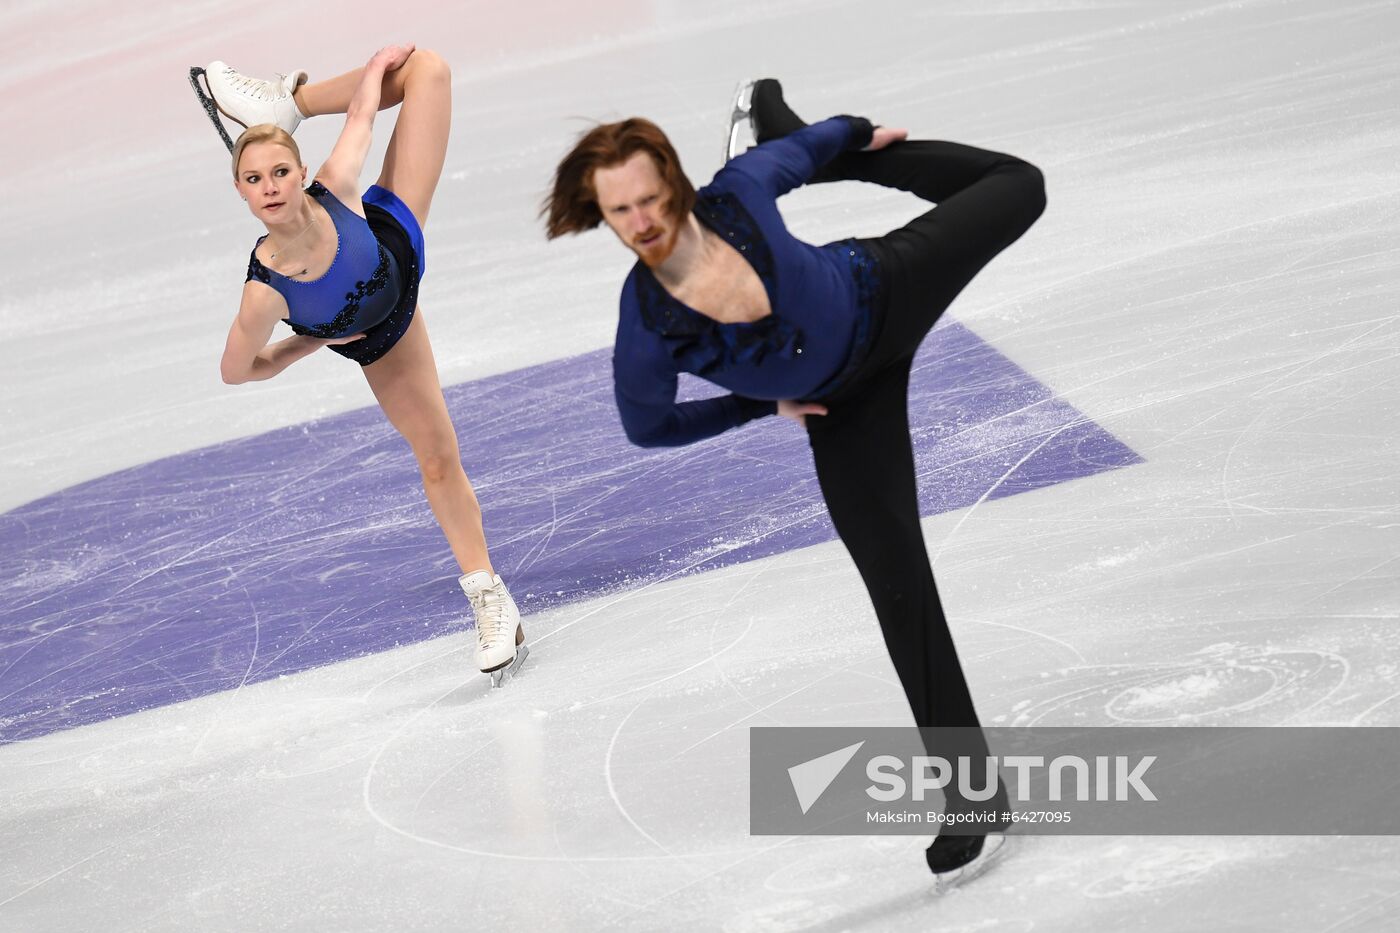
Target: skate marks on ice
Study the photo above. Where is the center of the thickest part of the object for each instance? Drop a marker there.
(1222, 684)
(1172, 863)
(647, 812)
(310, 544)
(1210, 883)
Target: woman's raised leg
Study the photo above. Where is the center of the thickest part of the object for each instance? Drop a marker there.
(418, 147)
(319, 98)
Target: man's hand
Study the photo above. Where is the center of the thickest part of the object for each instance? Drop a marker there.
(798, 411)
(884, 135)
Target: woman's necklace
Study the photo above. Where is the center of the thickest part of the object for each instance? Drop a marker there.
(272, 254)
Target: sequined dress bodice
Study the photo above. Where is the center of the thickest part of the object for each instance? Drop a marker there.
(358, 291)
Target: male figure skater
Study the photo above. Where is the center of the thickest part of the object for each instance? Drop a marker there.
(823, 335)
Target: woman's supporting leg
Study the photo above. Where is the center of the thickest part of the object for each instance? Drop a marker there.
(405, 382)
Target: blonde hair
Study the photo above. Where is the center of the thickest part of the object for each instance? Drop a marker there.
(263, 133)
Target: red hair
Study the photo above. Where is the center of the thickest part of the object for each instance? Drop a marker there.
(572, 205)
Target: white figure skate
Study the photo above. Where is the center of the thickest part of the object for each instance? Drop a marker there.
(500, 648)
(741, 136)
(246, 101)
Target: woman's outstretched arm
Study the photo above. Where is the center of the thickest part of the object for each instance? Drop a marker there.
(341, 172)
(248, 357)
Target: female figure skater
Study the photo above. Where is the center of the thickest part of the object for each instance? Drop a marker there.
(823, 335)
(343, 271)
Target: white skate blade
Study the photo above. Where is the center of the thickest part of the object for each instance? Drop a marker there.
(211, 108)
(499, 675)
(986, 859)
(741, 137)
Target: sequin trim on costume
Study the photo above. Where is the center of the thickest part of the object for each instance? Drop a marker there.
(256, 270)
(344, 321)
(340, 325)
(381, 338)
(870, 290)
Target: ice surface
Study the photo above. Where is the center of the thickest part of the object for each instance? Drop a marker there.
(1212, 286)
(169, 581)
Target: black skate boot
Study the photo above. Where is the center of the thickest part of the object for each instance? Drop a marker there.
(956, 860)
(769, 114)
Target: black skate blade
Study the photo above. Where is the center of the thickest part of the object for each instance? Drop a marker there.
(211, 109)
(499, 675)
(739, 120)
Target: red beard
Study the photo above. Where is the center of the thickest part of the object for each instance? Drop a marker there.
(659, 250)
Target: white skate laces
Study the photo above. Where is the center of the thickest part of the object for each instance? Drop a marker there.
(497, 623)
(249, 101)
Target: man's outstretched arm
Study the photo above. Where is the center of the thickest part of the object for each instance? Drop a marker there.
(651, 416)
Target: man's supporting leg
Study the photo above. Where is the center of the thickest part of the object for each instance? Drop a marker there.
(865, 465)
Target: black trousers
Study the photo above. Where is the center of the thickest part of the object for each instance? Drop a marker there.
(863, 452)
